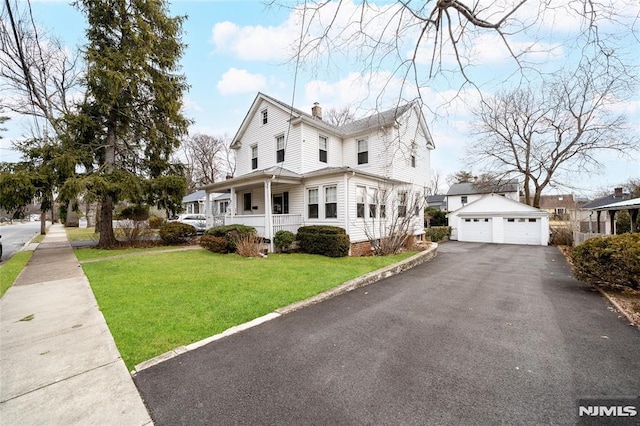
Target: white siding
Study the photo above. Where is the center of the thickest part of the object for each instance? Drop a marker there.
(411, 138)
(311, 159)
(264, 136)
(321, 183)
(378, 146)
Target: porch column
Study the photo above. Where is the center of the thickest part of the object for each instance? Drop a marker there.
(268, 222)
(232, 203)
(612, 218)
(634, 220)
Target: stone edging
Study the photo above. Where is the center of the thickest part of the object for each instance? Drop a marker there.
(353, 284)
(619, 308)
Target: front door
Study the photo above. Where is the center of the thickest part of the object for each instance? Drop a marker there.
(280, 203)
(277, 203)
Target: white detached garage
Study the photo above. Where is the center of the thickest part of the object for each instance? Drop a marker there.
(497, 219)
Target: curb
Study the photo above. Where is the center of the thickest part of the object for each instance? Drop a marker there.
(353, 284)
(619, 308)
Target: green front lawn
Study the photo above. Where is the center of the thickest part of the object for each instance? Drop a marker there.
(156, 303)
(10, 269)
(81, 234)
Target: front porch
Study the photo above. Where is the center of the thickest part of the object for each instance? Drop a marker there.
(280, 222)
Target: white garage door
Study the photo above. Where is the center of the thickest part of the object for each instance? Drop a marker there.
(476, 230)
(522, 230)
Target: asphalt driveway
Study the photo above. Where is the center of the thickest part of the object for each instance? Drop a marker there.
(482, 334)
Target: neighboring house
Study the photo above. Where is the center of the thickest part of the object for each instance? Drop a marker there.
(195, 202)
(461, 194)
(293, 169)
(558, 206)
(437, 202)
(495, 218)
(597, 222)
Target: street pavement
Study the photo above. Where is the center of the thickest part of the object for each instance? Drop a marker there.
(58, 362)
(483, 334)
(14, 237)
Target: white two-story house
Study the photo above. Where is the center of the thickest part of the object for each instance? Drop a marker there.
(294, 169)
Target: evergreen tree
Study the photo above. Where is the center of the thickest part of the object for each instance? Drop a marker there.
(131, 120)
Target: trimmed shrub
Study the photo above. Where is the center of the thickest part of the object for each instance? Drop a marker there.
(330, 241)
(438, 233)
(283, 240)
(610, 260)
(136, 212)
(173, 233)
(231, 233)
(214, 244)
(156, 222)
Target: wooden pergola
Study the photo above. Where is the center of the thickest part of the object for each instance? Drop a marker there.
(632, 205)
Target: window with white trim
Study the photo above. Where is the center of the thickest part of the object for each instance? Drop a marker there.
(322, 148)
(402, 203)
(254, 157)
(330, 202)
(265, 116)
(372, 194)
(363, 151)
(383, 204)
(361, 196)
(312, 203)
(280, 149)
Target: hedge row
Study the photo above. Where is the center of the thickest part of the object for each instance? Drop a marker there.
(331, 241)
(438, 233)
(230, 233)
(609, 260)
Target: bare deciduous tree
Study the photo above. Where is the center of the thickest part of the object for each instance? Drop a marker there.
(38, 75)
(208, 158)
(537, 134)
(414, 42)
(338, 117)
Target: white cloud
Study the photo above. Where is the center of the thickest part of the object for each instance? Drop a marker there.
(255, 43)
(236, 81)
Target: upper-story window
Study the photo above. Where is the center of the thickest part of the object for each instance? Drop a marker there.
(330, 202)
(322, 148)
(265, 116)
(363, 151)
(413, 160)
(280, 149)
(463, 199)
(312, 203)
(254, 157)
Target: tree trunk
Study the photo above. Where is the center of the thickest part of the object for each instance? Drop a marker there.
(43, 222)
(107, 237)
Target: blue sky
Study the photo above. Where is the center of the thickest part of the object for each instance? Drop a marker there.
(237, 48)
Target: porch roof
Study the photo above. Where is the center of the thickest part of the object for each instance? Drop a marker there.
(276, 173)
(632, 204)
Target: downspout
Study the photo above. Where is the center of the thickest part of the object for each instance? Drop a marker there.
(302, 150)
(208, 212)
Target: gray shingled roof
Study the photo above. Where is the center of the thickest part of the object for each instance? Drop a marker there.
(194, 196)
(385, 118)
(611, 198)
(471, 188)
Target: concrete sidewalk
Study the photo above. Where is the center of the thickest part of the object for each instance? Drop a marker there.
(58, 361)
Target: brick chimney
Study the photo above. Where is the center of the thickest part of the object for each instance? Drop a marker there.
(316, 111)
(617, 192)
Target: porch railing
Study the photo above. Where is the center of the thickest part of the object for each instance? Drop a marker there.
(286, 222)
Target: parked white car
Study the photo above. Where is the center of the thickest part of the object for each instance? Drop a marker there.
(198, 221)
